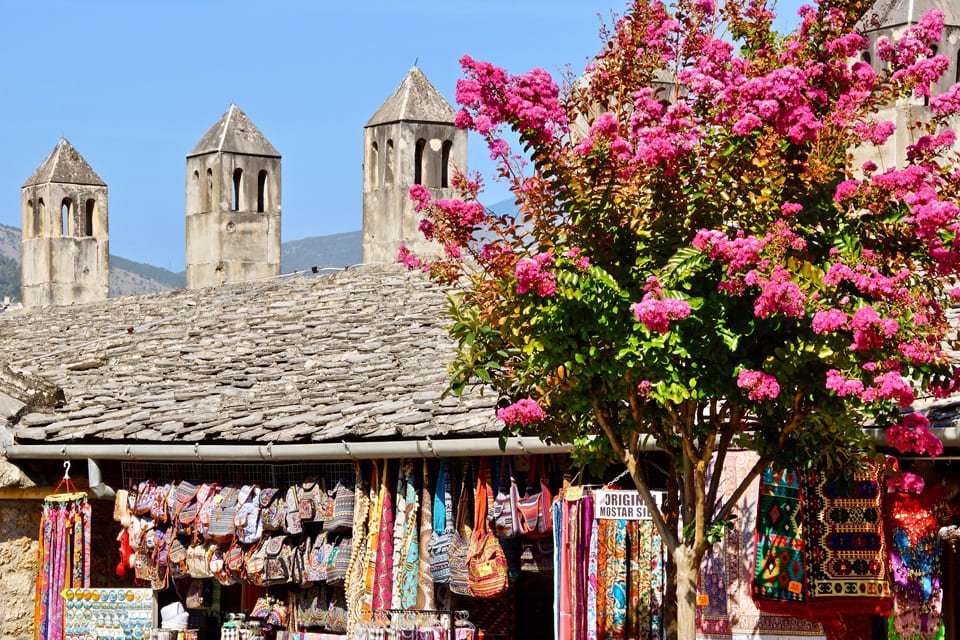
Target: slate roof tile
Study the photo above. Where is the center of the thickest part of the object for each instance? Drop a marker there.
(361, 353)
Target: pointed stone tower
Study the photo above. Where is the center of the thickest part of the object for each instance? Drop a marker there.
(411, 139)
(233, 204)
(890, 18)
(65, 239)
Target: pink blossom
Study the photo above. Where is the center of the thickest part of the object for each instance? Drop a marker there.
(643, 389)
(523, 412)
(656, 312)
(874, 132)
(426, 228)
(420, 196)
(843, 386)
(759, 385)
(829, 321)
(892, 386)
(913, 435)
(905, 482)
(532, 276)
(580, 261)
(788, 209)
(408, 259)
(779, 295)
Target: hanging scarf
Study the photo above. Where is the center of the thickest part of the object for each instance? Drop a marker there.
(383, 587)
(556, 516)
(376, 511)
(356, 570)
(616, 585)
(63, 561)
(410, 554)
(592, 583)
(425, 586)
(913, 524)
(566, 631)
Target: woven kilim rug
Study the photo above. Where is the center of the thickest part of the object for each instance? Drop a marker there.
(847, 560)
(726, 578)
(779, 580)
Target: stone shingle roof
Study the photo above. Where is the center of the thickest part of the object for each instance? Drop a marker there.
(893, 13)
(234, 133)
(357, 354)
(414, 100)
(65, 165)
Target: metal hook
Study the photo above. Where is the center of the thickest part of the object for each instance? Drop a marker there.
(430, 447)
(347, 448)
(66, 469)
(522, 448)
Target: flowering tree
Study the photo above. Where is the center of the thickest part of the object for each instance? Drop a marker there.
(697, 259)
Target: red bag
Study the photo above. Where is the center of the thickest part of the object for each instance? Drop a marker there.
(534, 507)
(486, 562)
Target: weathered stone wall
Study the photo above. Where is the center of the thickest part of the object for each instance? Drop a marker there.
(19, 524)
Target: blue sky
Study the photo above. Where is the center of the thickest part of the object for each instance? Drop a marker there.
(133, 85)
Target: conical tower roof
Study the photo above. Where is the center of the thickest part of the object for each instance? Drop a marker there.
(65, 165)
(894, 13)
(415, 100)
(234, 133)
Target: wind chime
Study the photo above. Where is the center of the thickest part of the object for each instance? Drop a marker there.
(63, 556)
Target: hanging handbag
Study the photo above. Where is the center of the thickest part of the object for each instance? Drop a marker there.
(248, 523)
(205, 505)
(309, 499)
(271, 509)
(145, 497)
(254, 564)
(534, 507)
(342, 509)
(486, 563)
(184, 495)
(291, 517)
(158, 510)
(504, 515)
(197, 565)
(276, 560)
(325, 502)
(316, 567)
(223, 514)
(458, 550)
(442, 527)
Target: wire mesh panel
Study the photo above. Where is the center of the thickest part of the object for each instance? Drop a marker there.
(260, 473)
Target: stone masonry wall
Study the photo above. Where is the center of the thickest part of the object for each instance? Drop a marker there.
(19, 524)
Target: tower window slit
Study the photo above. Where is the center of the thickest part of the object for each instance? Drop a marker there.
(261, 191)
(418, 161)
(237, 188)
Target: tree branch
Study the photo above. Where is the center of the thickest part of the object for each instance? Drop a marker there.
(669, 537)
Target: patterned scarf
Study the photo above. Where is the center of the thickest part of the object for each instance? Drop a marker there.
(913, 524)
(63, 562)
(383, 587)
(356, 571)
(613, 538)
(409, 555)
(592, 583)
(376, 511)
(425, 592)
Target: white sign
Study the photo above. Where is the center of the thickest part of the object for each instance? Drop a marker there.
(623, 505)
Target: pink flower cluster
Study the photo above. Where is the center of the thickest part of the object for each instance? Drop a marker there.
(906, 482)
(828, 321)
(408, 259)
(913, 435)
(869, 330)
(868, 279)
(929, 214)
(874, 132)
(491, 97)
(760, 386)
(656, 312)
(663, 143)
(580, 261)
(532, 275)
(523, 412)
(886, 386)
(605, 129)
(779, 295)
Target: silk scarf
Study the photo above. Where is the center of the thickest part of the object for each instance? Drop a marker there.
(425, 591)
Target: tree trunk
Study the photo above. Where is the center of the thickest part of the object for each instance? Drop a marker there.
(687, 568)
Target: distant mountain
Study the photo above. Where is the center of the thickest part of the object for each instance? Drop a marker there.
(336, 250)
(128, 277)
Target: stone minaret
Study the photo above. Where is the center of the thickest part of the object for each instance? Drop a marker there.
(233, 204)
(66, 257)
(890, 18)
(411, 139)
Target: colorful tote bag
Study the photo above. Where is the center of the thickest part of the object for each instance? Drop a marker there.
(486, 563)
(505, 512)
(458, 550)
